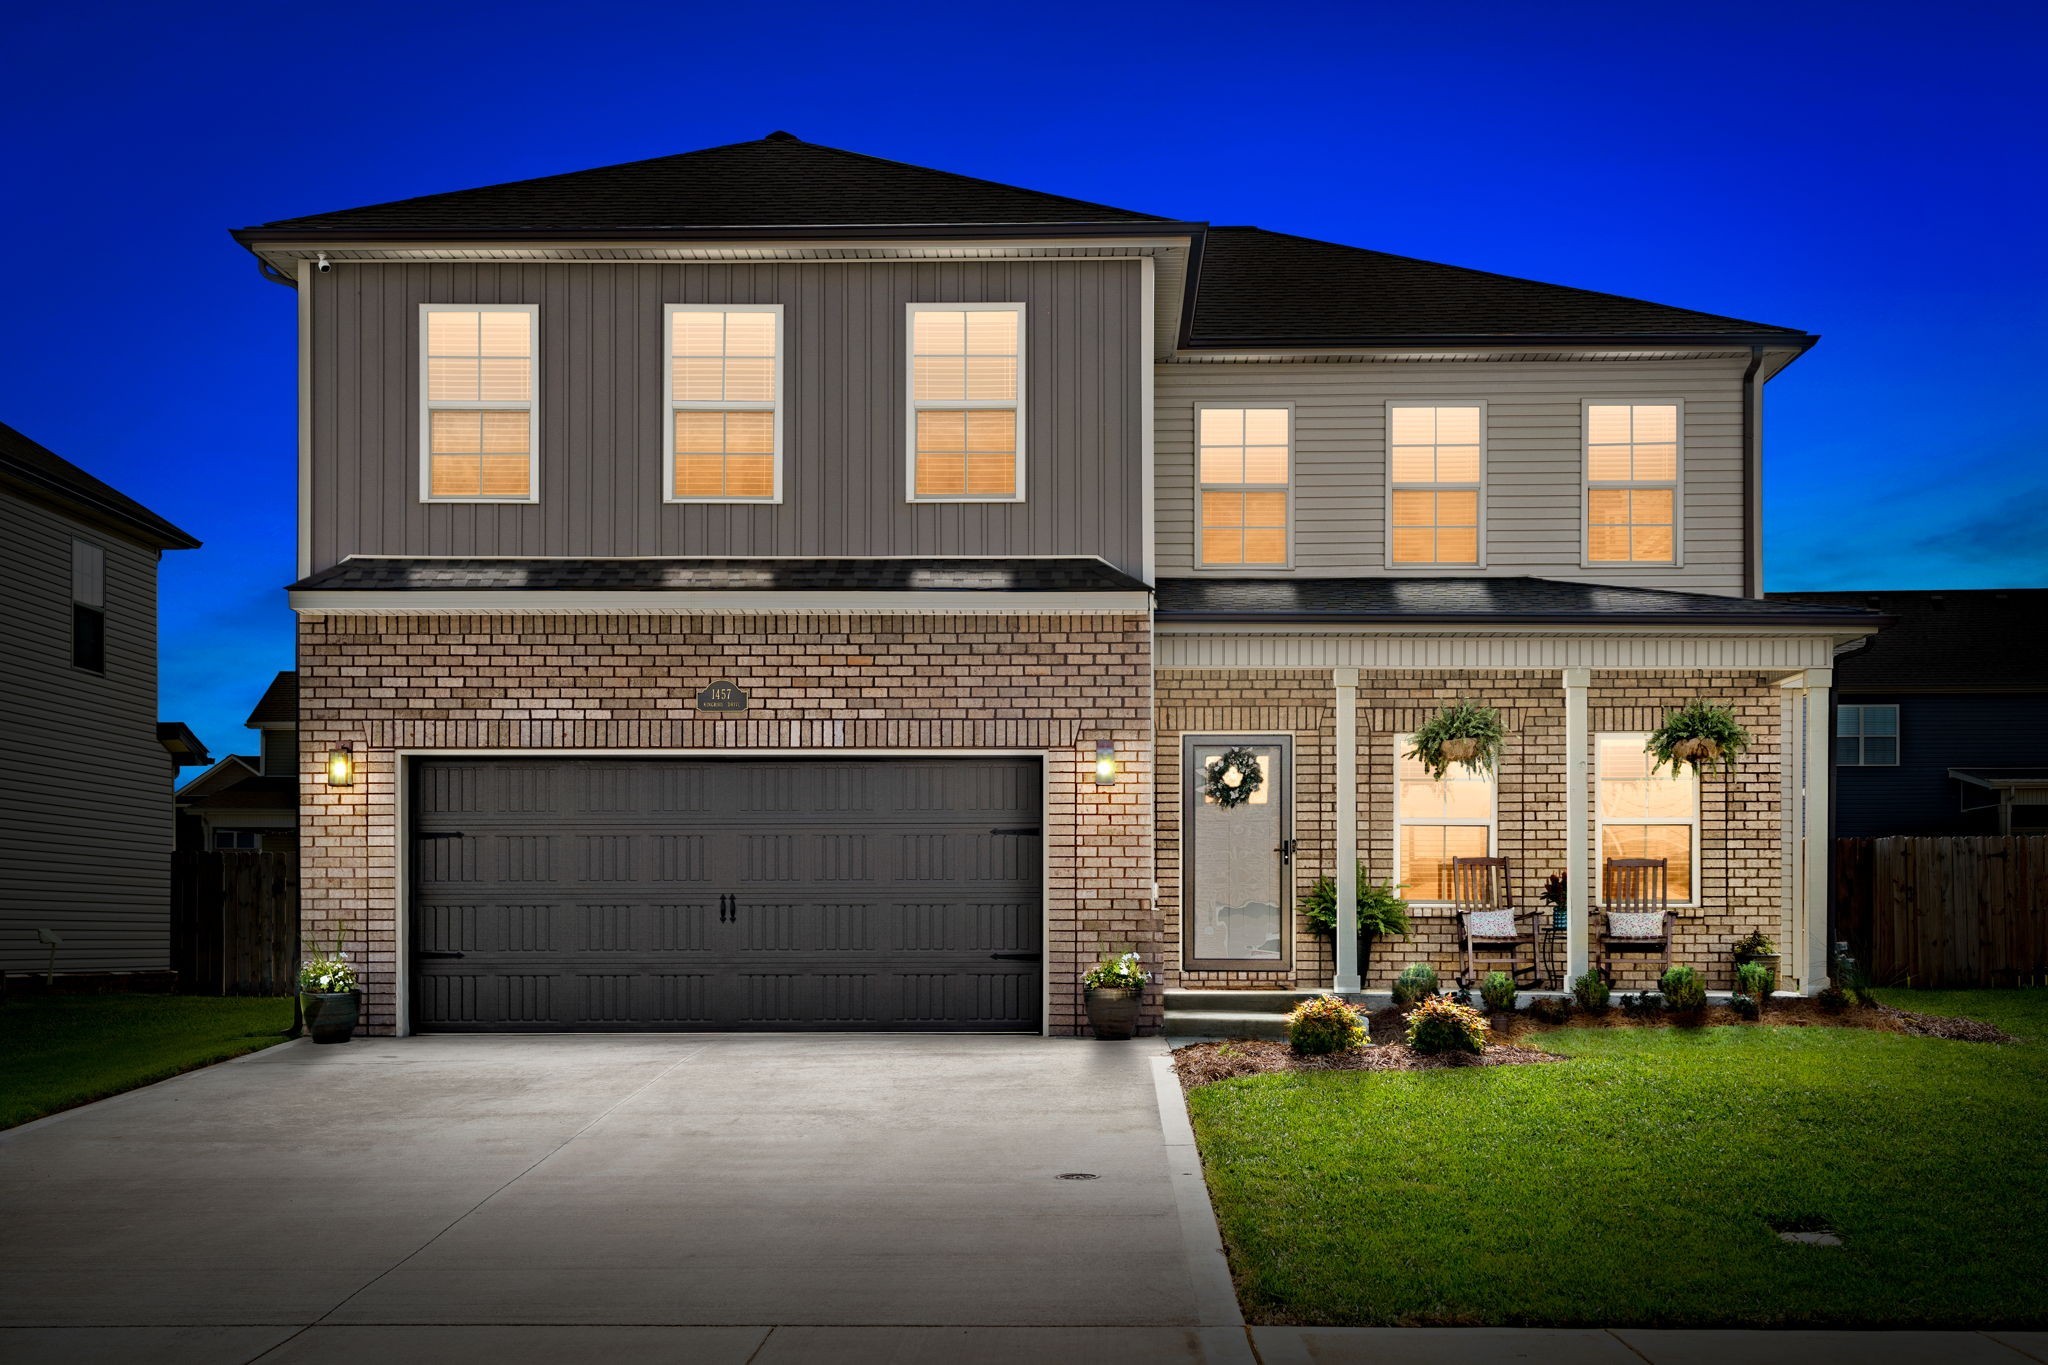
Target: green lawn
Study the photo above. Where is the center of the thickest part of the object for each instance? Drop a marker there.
(1635, 1183)
(62, 1050)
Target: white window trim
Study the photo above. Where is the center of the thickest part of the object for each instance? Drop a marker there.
(911, 405)
(1601, 822)
(532, 405)
(1402, 743)
(671, 405)
(1898, 740)
(1293, 478)
(1587, 485)
(1388, 450)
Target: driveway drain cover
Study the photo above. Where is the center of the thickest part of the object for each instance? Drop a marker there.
(1079, 1175)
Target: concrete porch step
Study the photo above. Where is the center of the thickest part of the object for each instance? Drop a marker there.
(1236, 1002)
(1225, 1024)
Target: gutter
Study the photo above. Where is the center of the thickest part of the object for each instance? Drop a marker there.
(1752, 483)
(1802, 341)
(1863, 621)
(285, 236)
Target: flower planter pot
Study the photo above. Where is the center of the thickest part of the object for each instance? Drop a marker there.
(1113, 1011)
(332, 1018)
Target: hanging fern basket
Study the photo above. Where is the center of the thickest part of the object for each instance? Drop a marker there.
(1232, 777)
(1699, 734)
(1464, 733)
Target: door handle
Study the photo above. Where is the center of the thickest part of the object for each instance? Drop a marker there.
(735, 899)
(426, 952)
(721, 907)
(1286, 849)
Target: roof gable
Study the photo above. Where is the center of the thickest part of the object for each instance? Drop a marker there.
(48, 477)
(1945, 640)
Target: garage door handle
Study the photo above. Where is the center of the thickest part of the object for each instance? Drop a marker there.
(424, 952)
(1018, 957)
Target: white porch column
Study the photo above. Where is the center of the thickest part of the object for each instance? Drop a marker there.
(1577, 823)
(1816, 829)
(1347, 832)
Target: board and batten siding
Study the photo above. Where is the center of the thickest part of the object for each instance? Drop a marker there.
(603, 408)
(1534, 460)
(85, 813)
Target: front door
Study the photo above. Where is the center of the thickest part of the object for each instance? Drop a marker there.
(1237, 853)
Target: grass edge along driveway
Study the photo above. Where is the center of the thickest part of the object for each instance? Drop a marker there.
(1637, 1182)
(61, 1051)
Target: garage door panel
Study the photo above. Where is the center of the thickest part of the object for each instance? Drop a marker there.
(803, 894)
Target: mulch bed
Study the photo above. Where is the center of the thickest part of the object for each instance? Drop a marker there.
(1204, 1063)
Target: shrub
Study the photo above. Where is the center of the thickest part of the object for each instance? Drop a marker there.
(1642, 1006)
(1440, 1024)
(1498, 991)
(1685, 990)
(1551, 1009)
(1324, 1024)
(1116, 973)
(1833, 999)
(1756, 944)
(1746, 1005)
(1755, 980)
(1591, 992)
(1416, 981)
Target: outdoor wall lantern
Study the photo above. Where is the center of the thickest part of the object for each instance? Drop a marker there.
(341, 767)
(1105, 763)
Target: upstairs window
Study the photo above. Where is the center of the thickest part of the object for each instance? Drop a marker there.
(1437, 820)
(1246, 464)
(1434, 463)
(724, 439)
(1646, 814)
(88, 606)
(1867, 736)
(478, 418)
(1632, 483)
(966, 402)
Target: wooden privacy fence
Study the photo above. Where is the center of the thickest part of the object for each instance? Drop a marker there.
(231, 921)
(1945, 911)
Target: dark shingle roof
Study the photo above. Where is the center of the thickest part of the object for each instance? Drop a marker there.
(42, 473)
(1973, 640)
(1480, 601)
(778, 181)
(1267, 287)
(279, 704)
(722, 575)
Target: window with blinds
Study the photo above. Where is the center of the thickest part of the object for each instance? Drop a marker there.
(1632, 483)
(966, 402)
(1434, 465)
(1437, 820)
(1246, 466)
(724, 419)
(1646, 814)
(479, 419)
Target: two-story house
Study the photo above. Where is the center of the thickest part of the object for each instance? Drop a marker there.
(775, 587)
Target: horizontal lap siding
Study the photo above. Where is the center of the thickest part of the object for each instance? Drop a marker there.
(603, 409)
(85, 816)
(1534, 459)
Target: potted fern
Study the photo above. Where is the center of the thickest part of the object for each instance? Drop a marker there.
(1113, 991)
(1381, 912)
(1700, 734)
(1464, 732)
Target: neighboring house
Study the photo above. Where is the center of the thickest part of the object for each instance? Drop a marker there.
(775, 587)
(85, 815)
(250, 801)
(1941, 721)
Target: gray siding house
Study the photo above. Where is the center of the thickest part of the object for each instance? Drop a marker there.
(85, 815)
(773, 587)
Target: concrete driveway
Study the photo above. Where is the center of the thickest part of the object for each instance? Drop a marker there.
(665, 1196)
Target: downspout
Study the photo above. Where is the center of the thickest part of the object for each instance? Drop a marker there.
(1752, 485)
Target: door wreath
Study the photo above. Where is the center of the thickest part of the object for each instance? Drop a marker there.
(1230, 778)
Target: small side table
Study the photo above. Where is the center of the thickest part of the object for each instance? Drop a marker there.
(1551, 951)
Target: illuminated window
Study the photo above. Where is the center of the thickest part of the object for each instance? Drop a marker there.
(1867, 736)
(1642, 814)
(1632, 483)
(967, 402)
(1246, 462)
(724, 438)
(478, 418)
(1436, 821)
(1434, 462)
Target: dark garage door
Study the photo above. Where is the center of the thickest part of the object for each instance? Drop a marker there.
(569, 894)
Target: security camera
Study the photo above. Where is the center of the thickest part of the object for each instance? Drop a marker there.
(323, 265)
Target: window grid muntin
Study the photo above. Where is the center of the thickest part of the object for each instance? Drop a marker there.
(1853, 723)
(917, 406)
(488, 431)
(1400, 482)
(1633, 742)
(1410, 770)
(1636, 482)
(1260, 505)
(681, 464)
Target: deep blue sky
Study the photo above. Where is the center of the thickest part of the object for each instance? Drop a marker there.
(1871, 174)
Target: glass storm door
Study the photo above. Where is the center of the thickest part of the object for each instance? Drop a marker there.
(1237, 861)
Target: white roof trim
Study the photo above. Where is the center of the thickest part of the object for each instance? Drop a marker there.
(492, 601)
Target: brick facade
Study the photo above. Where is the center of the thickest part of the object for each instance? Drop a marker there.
(1742, 832)
(833, 683)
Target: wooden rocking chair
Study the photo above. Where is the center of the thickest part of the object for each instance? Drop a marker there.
(1488, 926)
(1636, 918)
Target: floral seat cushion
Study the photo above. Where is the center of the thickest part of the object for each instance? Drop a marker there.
(1634, 924)
(1490, 923)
